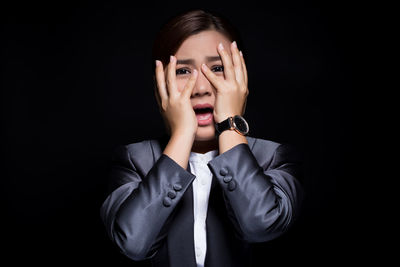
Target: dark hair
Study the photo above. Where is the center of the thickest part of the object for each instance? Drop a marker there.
(179, 28)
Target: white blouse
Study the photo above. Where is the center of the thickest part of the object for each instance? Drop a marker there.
(201, 192)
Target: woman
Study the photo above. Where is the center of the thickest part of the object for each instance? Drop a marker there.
(201, 196)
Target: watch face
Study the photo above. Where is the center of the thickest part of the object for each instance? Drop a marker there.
(241, 124)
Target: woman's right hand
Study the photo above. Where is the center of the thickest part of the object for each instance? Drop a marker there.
(175, 104)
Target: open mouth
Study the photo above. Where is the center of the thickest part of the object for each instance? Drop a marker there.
(204, 114)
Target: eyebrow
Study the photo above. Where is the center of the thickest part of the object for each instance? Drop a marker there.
(190, 61)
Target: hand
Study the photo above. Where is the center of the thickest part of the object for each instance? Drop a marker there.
(231, 91)
(175, 105)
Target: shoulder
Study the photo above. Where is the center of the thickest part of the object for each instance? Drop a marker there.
(259, 145)
(139, 148)
(255, 143)
(267, 152)
(149, 148)
(262, 147)
(142, 154)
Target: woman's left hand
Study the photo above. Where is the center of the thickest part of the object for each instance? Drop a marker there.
(231, 90)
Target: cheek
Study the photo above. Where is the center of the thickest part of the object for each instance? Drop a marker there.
(180, 83)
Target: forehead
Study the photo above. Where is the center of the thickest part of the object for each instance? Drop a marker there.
(202, 44)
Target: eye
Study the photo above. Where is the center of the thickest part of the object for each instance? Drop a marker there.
(219, 68)
(182, 71)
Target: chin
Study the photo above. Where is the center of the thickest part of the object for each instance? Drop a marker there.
(206, 133)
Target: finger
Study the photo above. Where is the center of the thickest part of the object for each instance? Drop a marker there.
(210, 75)
(244, 68)
(227, 62)
(156, 92)
(237, 63)
(160, 78)
(188, 89)
(171, 76)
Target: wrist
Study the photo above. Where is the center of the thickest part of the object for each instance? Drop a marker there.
(229, 139)
(221, 117)
(184, 134)
(179, 147)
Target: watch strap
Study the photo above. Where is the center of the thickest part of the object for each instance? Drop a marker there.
(222, 126)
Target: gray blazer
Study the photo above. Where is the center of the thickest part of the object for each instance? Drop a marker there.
(255, 196)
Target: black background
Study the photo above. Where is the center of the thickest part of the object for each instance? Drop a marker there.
(77, 81)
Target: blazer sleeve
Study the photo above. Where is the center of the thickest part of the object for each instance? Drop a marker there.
(262, 201)
(137, 213)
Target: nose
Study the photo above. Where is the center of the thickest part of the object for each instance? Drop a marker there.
(202, 87)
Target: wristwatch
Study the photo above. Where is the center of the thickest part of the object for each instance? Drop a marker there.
(236, 123)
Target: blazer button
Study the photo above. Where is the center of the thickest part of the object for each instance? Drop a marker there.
(227, 178)
(167, 202)
(177, 187)
(171, 194)
(232, 185)
(223, 171)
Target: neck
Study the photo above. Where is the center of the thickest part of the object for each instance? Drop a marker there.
(204, 146)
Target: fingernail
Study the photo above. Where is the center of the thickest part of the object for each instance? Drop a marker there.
(220, 46)
(158, 63)
(240, 52)
(234, 44)
(203, 66)
(171, 59)
(194, 72)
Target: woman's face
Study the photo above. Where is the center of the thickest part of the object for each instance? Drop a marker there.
(194, 51)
